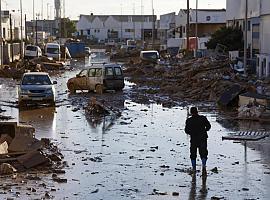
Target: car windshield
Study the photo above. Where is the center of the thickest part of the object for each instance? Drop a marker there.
(31, 48)
(53, 50)
(36, 80)
(150, 55)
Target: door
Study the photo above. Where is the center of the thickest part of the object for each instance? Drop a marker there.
(94, 78)
(81, 80)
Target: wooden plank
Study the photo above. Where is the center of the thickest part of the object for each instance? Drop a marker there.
(32, 159)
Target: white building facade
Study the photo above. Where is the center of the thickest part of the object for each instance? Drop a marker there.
(258, 28)
(209, 20)
(103, 27)
(15, 27)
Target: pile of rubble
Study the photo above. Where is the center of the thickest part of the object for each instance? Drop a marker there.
(200, 79)
(20, 151)
(19, 67)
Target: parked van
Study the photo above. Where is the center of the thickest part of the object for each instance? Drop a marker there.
(32, 51)
(150, 56)
(98, 78)
(52, 50)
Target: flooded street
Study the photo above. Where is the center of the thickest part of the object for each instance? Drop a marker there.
(143, 154)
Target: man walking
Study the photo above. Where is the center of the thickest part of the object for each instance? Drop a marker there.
(197, 127)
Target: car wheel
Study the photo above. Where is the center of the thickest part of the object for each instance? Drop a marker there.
(72, 88)
(99, 89)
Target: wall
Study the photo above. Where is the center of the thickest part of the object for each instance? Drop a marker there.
(236, 9)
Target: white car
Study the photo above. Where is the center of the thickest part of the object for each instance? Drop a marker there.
(32, 51)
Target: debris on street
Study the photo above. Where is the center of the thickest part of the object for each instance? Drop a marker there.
(20, 151)
(42, 64)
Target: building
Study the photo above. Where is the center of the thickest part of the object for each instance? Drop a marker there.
(166, 28)
(258, 29)
(50, 27)
(209, 21)
(11, 26)
(117, 27)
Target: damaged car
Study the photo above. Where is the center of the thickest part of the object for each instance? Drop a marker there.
(98, 78)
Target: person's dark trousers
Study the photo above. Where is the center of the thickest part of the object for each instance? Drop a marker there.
(202, 146)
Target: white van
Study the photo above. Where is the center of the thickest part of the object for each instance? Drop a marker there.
(52, 50)
(32, 51)
(150, 56)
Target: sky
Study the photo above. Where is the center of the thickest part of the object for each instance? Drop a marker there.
(107, 7)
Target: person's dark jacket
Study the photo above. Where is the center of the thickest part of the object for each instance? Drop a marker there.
(197, 127)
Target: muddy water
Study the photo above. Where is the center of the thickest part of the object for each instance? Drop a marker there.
(140, 152)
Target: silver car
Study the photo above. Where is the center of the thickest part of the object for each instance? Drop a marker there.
(36, 87)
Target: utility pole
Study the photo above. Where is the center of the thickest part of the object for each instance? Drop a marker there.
(121, 22)
(196, 31)
(11, 36)
(245, 38)
(36, 33)
(48, 11)
(142, 22)
(42, 10)
(1, 35)
(153, 24)
(187, 28)
(25, 27)
(133, 21)
(21, 29)
(33, 19)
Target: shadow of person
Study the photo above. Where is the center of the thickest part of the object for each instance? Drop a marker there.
(202, 195)
(192, 193)
(203, 190)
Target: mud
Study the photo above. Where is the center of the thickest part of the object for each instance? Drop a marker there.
(142, 153)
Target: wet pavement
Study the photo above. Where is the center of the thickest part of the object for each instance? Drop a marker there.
(143, 154)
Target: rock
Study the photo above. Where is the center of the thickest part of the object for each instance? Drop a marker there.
(217, 198)
(59, 180)
(215, 170)
(95, 191)
(175, 193)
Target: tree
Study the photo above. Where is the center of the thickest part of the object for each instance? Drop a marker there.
(67, 27)
(230, 37)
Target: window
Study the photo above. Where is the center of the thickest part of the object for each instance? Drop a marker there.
(118, 71)
(36, 80)
(109, 71)
(129, 30)
(129, 18)
(98, 72)
(88, 32)
(92, 72)
(83, 73)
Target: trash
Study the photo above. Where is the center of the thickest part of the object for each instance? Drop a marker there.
(32, 159)
(7, 169)
(24, 143)
(4, 148)
(96, 108)
(230, 95)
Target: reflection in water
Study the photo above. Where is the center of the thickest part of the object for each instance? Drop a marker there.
(43, 120)
(203, 191)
